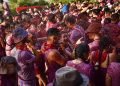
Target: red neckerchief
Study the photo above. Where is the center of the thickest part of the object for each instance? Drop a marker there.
(22, 47)
(48, 46)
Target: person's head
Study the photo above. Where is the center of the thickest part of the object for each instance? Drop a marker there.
(51, 18)
(53, 35)
(68, 76)
(83, 16)
(8, 65)
(115, 18)
(59, 17)
(82, 51)
(93, 30)
(107, 12)
(72, 8)
(70, 21)
(96, 12)
(20, 35)
(107, 21)
(26, 20)
(105, 44)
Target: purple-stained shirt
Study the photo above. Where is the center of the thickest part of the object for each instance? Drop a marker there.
(81, 67)
(76, 34)
(25, 60)
(114, 72)
(94, 45)
(113, 31)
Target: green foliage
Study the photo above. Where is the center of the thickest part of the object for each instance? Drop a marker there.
(63, 1)
(13, 1)
(43, 2)
(24, 4)
(67, 1)
(16, 3)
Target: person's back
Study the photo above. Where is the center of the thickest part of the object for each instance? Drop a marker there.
(82, 67)
(114, 72)
(80, 63)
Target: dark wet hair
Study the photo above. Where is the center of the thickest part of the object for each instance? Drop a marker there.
(70, 19)
(105, 42)
(82, 14)
(80, 50)
(8, 60)
(60, 16)
(107, 10)
(96, 11)
(51, 17)
(53, 32)
(107, 20)
(115, 17)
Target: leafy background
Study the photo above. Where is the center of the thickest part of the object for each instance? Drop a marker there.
(16, 3)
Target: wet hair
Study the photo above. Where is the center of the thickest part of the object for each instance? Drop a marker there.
(96, 11)
(53, 32)
(107, 20)
(59, 15)
(70, 19)
(115, 17)
(105, 42)
(72, 8)
(107, 10)
(51, 17)
(80, 50)
(8, 60)
(82, 14)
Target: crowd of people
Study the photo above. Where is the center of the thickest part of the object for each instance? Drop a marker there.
(75, 44)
